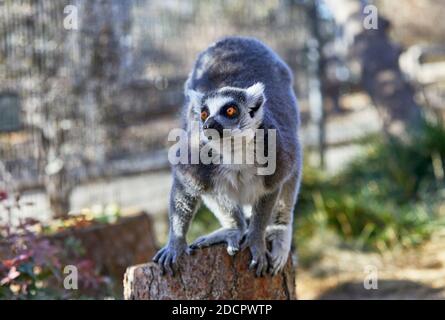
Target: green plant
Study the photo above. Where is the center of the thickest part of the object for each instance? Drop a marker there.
(388, 197)
(203, 223)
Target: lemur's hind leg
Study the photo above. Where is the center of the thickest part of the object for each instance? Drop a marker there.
(255, 238)
(279, 233)
(232, 220)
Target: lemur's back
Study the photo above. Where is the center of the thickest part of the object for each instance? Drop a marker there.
(241, 62)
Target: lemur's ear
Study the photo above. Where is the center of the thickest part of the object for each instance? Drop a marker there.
(195, 100)
(195, 97)
(255, 97)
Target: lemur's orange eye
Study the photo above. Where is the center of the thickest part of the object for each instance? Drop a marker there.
(204, 115)
(231, 111)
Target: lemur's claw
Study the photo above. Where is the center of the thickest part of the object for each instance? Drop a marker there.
(277, 263)
(260, 264)
(203, 242)
(168, 257)
(259, 255)
(232, 250)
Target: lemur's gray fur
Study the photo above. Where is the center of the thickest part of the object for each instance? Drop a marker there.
(246, 72)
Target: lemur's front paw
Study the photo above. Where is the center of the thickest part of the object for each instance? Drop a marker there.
(230, 236)
(168, 256)
(257, 247)
(278, 259)
(280, 239)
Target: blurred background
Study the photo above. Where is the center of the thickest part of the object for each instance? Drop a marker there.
(90, 89)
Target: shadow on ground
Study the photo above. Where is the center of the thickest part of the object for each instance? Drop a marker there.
(387, 289)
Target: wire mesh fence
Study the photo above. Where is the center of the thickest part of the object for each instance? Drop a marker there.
(91, 88)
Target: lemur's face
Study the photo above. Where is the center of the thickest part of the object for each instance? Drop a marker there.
(229, 111)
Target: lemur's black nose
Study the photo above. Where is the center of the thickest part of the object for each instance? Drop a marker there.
(211, 123)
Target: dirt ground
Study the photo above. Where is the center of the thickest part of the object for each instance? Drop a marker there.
(401, 274)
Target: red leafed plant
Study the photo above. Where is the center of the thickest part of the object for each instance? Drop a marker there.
(3, 195)
(33, 267)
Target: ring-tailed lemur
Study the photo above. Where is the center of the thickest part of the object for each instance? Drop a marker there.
(238, 84)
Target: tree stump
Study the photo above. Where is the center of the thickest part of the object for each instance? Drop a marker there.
(114, 246)
(209, 274)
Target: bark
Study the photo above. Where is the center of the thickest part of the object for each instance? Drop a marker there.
(377, 58)
(209, 274)
(58, 183)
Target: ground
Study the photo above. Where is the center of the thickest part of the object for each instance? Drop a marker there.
(417, 273)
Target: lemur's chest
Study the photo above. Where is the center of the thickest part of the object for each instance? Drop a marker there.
(241, 184)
